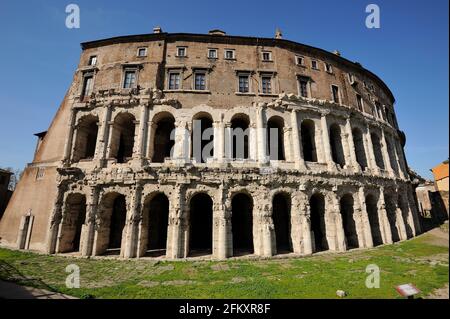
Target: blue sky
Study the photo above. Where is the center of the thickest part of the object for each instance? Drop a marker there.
(410, 52)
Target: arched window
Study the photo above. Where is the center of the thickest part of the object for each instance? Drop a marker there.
(377, 150)
(358, 141)
(122, 142)
(275, 138)
(318, 227)
(202, 138)
(308, 141)
(348, 221)
(240, 135)
(337, 150)
(374, 220)
(162, 143)
(86, 139)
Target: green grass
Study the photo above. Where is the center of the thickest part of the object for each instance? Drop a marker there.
(417, 261)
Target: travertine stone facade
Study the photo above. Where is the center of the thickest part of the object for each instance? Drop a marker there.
(104, 180)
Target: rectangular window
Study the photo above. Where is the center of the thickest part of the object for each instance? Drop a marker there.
(359, 101)
(88, 81)
(142, 52)
(93, 60)
(174, 81)
(181, 51)
(229, 54)
(328, 68)
(200, 81)
(266, 82)
(300, 60)
(314, 65)
(244, 83)
(129, 81)
(303, 84)
(267, 56)
(335, 91)
(212, 53)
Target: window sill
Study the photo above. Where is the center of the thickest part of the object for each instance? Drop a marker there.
(267, 61)
(188, 91)
(227, 59)
(245, 94)
(268, 95)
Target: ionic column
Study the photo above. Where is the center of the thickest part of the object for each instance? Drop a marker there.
(351, 146)
(152, 126)
(219, 141)
(387, 159)
(371, 159)
(261, 127)
(102, 144)
(326, 143)
(296, 142)
(142, 133)
(136, 146)
(130, 238)
(69, 141)
(366, 231)
(288, 149)
(110, 138)
(88, 228)
(383, 219)
(253, 141)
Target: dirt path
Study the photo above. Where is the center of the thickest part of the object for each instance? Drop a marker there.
(441, 293)
(12, 291)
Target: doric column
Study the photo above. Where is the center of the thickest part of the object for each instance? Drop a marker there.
(413, 211)
(334, 225)
(351, 146)
(296, 142)
(386, 156)
(400, 160)
(177, 231)
(88, 228)
(263, 227)
(222, 241)
(400, 222)
(365, 230)
(262, 134)
(326, 142)
(130, 237)
(303, 230)
(383, 219)
(371, 159)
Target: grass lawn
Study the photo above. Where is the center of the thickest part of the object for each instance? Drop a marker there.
(422, 261)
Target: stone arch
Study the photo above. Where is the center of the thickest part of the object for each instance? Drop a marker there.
(162, 138)
(242, 223)
(391, 210)
(392, 158)
(275, 138)
(337, 149)
(112, 219)
(308, 132)
(318, 226)
(155, 220)
(202, 137)
(347, 210)
(86, 138)
(374, 219)
(360, 151)
(281, 216)
(122, 138)
(377, 151)
(200, 224)
(240, 124)
(74, 216)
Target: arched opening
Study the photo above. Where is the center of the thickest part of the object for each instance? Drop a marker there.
(403, 205)
(242, 224)
(308, 141)
(86, 139)
(73, 219)
(156, 216)
(377, 150)
(358, 141)
(163, 143)
(281, 215)
(348, 221)
(337, 150)
(202, 138)
(392, 216)
(275, 138)
(201, 225)
(122, 142)
(318, 227)
(392, 158)
(374, 221)
(240, 134)
(118, 217)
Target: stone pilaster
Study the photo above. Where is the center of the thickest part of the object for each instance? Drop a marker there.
(351, 146)
(365, 229)
(386, 156)
(177, 232)
(296, 142)
(131, 229)
(88, 229)
(371, 159)
(326, 143)
(383, 219)
(261, 132)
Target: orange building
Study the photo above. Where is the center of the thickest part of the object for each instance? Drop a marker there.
(440, 173)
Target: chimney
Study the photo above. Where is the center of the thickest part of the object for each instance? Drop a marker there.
(278, 34)
(157, 29)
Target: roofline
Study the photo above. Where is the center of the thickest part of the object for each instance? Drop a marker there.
(232, 39)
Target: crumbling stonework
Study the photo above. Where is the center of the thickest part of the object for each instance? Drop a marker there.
(105, 178)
